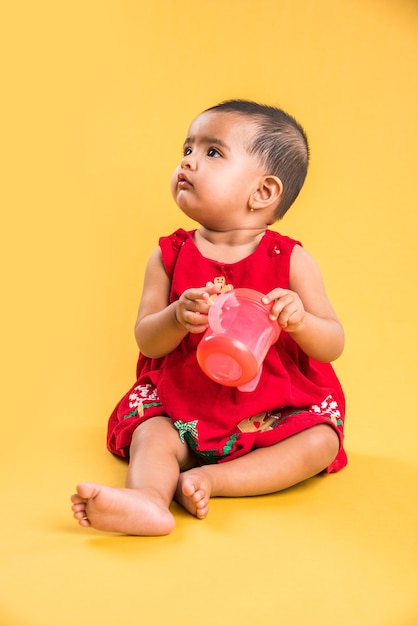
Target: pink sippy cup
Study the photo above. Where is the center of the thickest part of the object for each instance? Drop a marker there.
(240, 333)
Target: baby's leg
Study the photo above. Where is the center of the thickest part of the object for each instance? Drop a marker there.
(142, 508)
(262, 471)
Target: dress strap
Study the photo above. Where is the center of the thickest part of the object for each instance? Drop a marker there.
(279, 250)
(170, 248)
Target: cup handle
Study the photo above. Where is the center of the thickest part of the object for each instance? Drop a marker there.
(215, 311)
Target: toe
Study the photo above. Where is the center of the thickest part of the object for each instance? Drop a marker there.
(188, 489)
(79, 508)
(201, 513)
(199, 498)
(87, 490)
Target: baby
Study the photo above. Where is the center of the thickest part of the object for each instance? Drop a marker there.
(186, 436)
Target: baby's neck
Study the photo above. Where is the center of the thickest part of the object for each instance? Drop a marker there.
(227, 247)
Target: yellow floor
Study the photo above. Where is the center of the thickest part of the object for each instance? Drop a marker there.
(96, 101)
(339, 549)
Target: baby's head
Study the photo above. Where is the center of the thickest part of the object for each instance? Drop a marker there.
(280, 143)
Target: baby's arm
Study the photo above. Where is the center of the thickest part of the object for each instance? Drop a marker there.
(304, 310)
(161, 326)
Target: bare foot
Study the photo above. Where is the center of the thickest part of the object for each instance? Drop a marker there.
(193, 492)
(127, 511)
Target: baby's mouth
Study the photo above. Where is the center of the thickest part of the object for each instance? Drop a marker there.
(183, 182)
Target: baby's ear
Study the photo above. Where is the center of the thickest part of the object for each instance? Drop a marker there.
(268, 192)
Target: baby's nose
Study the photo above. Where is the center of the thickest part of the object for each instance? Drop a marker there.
(188, 162)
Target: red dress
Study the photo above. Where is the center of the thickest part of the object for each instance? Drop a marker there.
(221, 423)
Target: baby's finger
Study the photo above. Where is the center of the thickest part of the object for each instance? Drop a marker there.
(280, 306)
(274, 294)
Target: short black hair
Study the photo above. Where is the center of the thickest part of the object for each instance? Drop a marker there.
(281, 143)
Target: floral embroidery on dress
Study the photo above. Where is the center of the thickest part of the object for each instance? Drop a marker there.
(329, 409)
(142, 397)
(188, 434)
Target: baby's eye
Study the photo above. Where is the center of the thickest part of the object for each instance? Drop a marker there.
(213, 152)
(187, 151)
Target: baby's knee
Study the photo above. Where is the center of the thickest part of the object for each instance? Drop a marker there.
(149, 431)
(324, 443)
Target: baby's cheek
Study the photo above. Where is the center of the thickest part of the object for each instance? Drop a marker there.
(174, 181)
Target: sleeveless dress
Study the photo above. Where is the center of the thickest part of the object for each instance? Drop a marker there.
(218, 422)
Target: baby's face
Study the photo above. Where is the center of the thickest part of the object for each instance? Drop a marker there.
(217, 175)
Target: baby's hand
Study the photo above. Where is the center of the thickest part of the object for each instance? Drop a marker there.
(193, 307)
(222, 288)
(287, 308)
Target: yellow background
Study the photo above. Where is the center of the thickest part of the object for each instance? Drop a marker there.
(96, 100)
